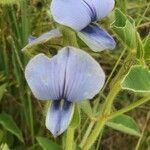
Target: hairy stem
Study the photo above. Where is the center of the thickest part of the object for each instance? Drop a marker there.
(130, 107)
(103, 118)
(69, 139)
(95, 132)
(87, 133)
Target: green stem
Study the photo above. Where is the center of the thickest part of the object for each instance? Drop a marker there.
(95, 133)
(141, 139)
(14, 25)
(69, 139)
(17, 73)
(17, 54)
(102, 119)
(130, 107)
(99, 140)
(117, 86)
(82, 128)
(114, 69)
(110, 98)
(30, 116)
(87, 133)
(6, 58)
(24, 22)
(108, 80)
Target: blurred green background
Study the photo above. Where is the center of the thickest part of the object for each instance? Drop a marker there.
(22, 117)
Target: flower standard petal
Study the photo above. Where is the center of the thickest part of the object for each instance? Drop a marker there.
(97, 38)
(72, 75)
(59, 117)
(72, 13)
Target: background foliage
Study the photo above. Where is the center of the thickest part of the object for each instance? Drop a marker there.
(22, 117)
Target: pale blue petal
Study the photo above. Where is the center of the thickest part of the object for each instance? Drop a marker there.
(43, 38)
(72, 13)
(100, 8)
(39, 78)
(103, 7)
(59, 117)
(97, 38)
(46, 76)
(84, 76)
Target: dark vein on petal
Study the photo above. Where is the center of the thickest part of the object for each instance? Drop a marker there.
(65, 75)
(93, 11)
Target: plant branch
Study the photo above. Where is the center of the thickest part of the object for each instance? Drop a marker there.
(69, 139)
(130, 107)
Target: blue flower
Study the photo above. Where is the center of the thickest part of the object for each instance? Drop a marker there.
(79, 15)
(70, 76)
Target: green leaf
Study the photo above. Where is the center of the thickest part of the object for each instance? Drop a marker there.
(86, 108)
(124, 124)
(8, 123)
(76, 118)
(137, 79)
(2, 90)
(147, 48)
(46, 144)
(125, 29)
